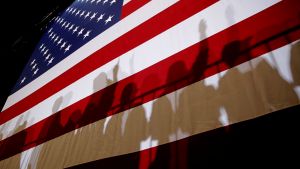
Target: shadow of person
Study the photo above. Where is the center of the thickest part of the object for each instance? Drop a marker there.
(70, 149)
(55, 124)
(22, 140)
(108, 141)
(86, 143)
(239, 87)
(95, 140)
(238, 95)
(198, 107)
(201, 61)
(135, 128)
(232, 83)
(162, 126)
(114, 141)
(137, 125)
(260, 90)
(169, 123)
(128, 96)
(275, 91)
(196, 103)
(14, 146)
(51, 151)
(250, 94)
(100, 104)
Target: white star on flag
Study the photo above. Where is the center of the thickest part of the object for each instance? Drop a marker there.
(74, 11)
(50, 30)
(75, 30)
(59, 42)
(68, 24)
(56, 39)
(86, 34)
(46, 52)
(23, 80)
(112, 2)
(104, 2)
(80, 32)
(100, 17)
(67, 48)
(36, 70)
(32, 62)
(34, 66)
(93, 16)
(71, 27)
(88, 14)
(47, 57)
(43, 49)
(82, 13)
(50, 61)
(63, 45)
(77, 12)
(108, 19)
(63, 24)
(49, 37)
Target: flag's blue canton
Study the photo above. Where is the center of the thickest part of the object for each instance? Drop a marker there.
(74, 27)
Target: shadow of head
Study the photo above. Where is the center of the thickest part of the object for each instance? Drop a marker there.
(57, 104)
(236, 51)
(176, 72)
(100, 82)
(128, 94)
(202, 29)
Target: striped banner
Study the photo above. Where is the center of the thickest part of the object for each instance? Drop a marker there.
(166, 72)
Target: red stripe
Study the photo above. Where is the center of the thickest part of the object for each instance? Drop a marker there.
(235, 45)
(137, 36)
(132, 6)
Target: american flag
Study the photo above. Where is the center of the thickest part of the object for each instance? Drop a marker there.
(113, 77)
(67, 32)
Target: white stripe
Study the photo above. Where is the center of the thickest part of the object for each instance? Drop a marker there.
(161, 47)
(125, 25)
(125, 2)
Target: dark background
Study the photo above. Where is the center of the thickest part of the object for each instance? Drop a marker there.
(20, 30)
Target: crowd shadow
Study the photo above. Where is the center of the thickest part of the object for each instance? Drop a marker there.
(239, 96)
(107, 127)
(11, 147)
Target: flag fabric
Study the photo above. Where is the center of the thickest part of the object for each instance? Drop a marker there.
(78, 24)
(122, 82)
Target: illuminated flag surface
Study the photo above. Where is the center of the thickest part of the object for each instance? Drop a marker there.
(112, 80)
